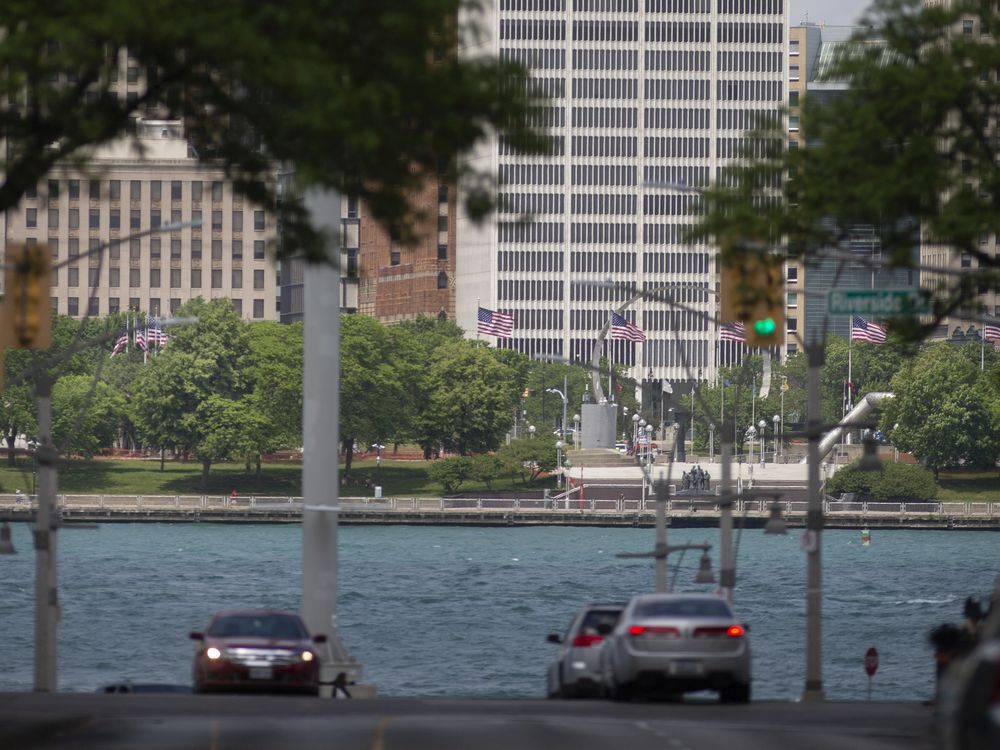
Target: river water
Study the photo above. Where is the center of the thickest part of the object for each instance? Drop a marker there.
(462, 611)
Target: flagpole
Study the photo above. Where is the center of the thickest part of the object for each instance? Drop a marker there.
(478, 306)
(850, 379)
(611, 363)
(145, 352)
(982, 351)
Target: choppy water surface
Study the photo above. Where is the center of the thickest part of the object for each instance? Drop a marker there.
(434, 611)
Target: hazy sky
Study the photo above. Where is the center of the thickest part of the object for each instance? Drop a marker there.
(832, 12)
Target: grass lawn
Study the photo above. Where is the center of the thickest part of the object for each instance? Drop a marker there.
(969, 486)
(143, 477)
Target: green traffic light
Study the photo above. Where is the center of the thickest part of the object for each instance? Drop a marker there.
(765, 327)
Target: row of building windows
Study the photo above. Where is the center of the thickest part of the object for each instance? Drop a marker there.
(606, 6)
(678, 31)
(605, 59)
(508, 260)
(154, 246)
(538, 58)
(676, 175)
(112, 189)
(620, 351)
(603, 145)
(602, 174)
(557, 145)
(606, 31)
(686, 295)
(658, 88)
(671, 205)
(529, 289)
(766, 62)
(752, 33)
(517, 28)
(678, 6)
(604, 203)
(544, 6)
(114, 218)
(154, 309)
(749, 91)
(581, 291)
(687, 148)
(677, 118)
(532, 203)
(532, 347)
(531, 174)
(745, 119)
(730, 148)
(756, 7)
(593, 320)
(674, 320)
(602, 262)
(154, 277)
(538, 319)
(551, 88)
(666, 234)
(546, 117)
(677, 59)
(679, 263)
(605, 88)
(535, 231)
(605, 117)
(605, 233)
(674, 352)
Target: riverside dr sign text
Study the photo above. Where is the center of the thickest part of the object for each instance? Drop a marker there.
(878, 302)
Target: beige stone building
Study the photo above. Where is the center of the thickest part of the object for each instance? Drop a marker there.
(89, 220)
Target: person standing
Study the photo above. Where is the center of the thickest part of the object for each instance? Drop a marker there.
(340, 686)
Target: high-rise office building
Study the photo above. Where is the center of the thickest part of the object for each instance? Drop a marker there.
(649, 99)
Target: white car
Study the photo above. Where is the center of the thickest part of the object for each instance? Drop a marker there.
(677, 643)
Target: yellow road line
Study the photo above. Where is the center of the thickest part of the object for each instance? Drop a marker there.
(378, 742)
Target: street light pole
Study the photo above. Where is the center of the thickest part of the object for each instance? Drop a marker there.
(814, 525)
(46, 592)
(559, 463)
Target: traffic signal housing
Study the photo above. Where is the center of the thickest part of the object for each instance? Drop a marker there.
(26, 313)
(752, 292)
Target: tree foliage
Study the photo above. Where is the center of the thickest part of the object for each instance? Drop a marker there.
(364, 96)
(86, 414)
(895, 482)
(529, 457)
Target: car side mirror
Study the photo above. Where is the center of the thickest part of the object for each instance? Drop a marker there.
(319, 638)
(554, 638)
(746, 627)
(604, 629)
(196, 635)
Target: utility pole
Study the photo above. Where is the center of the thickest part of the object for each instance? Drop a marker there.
(662, 490)
(320, 422)
(46, 592)
(814, 526)
(727, 568)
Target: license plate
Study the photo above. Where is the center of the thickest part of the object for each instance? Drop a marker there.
(260, 673)
(685, 668)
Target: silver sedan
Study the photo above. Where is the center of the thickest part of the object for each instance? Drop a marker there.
(676, 643)
(575, 672)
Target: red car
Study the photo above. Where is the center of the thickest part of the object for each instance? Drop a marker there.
(256, 650)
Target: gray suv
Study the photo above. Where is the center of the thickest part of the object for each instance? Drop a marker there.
(676, 643)
(576, 670)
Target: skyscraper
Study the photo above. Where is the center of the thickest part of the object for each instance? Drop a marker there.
(649, 99)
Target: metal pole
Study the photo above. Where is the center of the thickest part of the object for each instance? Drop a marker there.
(565, 398)
(320, 471)
(814, 526)
(662, 490)
(727, 569)
(46, 593)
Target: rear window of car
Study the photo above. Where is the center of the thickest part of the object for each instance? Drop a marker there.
(260, 626)
(684, 608)
(597, 617)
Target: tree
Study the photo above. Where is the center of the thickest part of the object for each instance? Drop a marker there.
(203, 361)
(450, 472)
(364, 96)
(909, 148)
(275, 401)
(529, 457)
(894, 482)
(470, 398)
(86, 415)
(943, 411)
(371, 394)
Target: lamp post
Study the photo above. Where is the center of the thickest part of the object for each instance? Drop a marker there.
(624, 420)
(559, 464)
(635, 431)
(763, 428)
(751, 437)
(777, 424)
(531, 431)
(649, 443)
(576, 431)
(561, 394)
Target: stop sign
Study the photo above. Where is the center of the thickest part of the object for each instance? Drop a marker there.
(871, 661)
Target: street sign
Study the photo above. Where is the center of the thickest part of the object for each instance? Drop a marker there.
(882, 303)
(871, 661)
(808, 541)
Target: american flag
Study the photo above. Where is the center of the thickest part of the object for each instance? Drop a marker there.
(120, 344)
(863, 330)
(991, 332)
(140, 340)
(622, 329)
(733, 332)
(492, 323)
(157, 336)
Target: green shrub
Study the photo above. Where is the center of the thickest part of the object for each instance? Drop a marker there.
(485, 468)
(894, 482)
(450, 472)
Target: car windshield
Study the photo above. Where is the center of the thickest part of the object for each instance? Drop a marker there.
(259, 626)
(683, 608)
(597, 617)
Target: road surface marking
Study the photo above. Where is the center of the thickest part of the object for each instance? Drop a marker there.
(378, 742)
